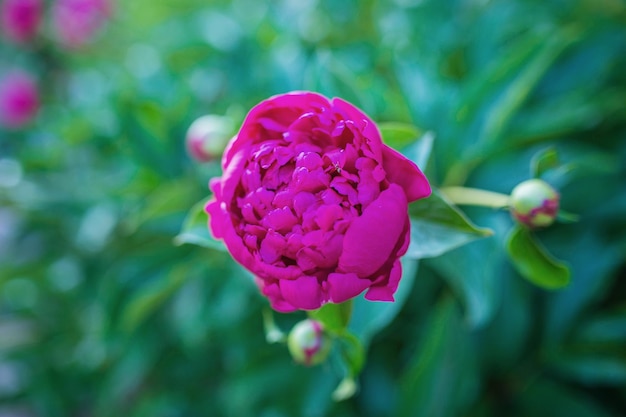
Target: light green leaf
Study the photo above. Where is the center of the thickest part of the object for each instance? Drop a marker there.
(398, 135)
(543, 161)
(534, 263)
(437, 226)
(335, 317)
(195, 229)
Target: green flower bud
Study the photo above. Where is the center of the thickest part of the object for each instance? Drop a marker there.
(308, 343)
(534, 203)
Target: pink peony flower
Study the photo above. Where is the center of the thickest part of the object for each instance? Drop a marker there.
(77, 21)
(19, 99)
(313, 203)
(20, 19)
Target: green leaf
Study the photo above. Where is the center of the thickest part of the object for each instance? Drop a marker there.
(335, 317)
(478, 284)
(442, 377)
(568, 402)
(419, 151)
(516, 93)
(151, 298)
(437, 226)
(195, 229)
(592, 368)
(534, 263)
(605, 329)
(398, 135)
(370, 317)
(543, 161)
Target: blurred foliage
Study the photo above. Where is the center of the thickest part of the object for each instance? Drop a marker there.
(102, 314)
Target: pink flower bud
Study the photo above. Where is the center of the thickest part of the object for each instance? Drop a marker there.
(76, 22)
(534, 203)
(19, 99)
(20, 19)
(207, 137)
(308, 343)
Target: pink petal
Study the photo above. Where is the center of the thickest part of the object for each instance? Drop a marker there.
(406, 174)
(342, 287)
(385, 291)
(371, 238)
(303, 293)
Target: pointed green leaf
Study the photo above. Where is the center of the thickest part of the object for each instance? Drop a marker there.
(543, 161)
(195, 229)
(398, 135)
(437, 226)
(534, 263)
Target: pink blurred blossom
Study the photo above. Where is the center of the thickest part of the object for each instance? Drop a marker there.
(19, 99)
(20, 19)
(76, 22)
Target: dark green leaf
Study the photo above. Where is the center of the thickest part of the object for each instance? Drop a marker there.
(437, 226)
(151, 298)
(592, 368)
(442, 378)
(534, 263)
(370, 317)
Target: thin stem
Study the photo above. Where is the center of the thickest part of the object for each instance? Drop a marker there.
(475, 197)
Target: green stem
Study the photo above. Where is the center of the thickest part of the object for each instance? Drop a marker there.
(475, 197)
(272, 333)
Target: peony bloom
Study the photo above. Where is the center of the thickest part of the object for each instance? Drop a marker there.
(77, 21)
(313, 203)
(20, 19)
(19, 99)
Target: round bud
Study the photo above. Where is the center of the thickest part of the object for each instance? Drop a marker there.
(308, 343)
(208, 136)
(534, 203)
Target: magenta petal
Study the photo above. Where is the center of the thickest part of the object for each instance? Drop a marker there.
(385, 291)
(272, 292)
(342, 287)
(406, 174)
(371, 238)
(303, 293)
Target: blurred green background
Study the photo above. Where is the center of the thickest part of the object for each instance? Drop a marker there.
(102, 315)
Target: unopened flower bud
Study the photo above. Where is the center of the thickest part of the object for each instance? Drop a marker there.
(207, 137)
(308, 343)
(534, 203)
